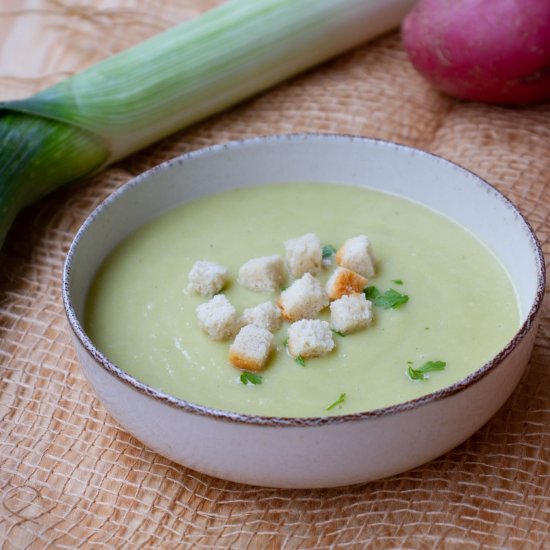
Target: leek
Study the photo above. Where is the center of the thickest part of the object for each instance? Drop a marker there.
(187, 73)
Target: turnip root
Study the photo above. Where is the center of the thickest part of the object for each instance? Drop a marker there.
(496, 51)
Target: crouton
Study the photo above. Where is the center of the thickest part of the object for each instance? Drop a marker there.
(304, 255)
(250, 349)
(356, 254)
(309, 338)
(303, 299)
(264, 274)
(207, 278)
(350, 313)
(344, 281)
(265, 315)
(218, 318)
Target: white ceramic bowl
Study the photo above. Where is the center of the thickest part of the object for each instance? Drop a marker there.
(309, 452)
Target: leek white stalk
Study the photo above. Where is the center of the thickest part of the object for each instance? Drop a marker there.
(169, 81)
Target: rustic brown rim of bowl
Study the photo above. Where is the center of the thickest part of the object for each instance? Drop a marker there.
(219, 414)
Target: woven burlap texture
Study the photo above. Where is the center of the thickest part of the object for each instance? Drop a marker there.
(70, 477)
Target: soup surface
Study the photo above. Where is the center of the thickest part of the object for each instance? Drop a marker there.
(462, 307)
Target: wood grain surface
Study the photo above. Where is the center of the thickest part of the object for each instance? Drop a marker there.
(70, 477)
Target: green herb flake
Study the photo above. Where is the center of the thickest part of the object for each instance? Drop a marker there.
(397, 281)
(250, 378)
(285, 342)
(328, 251)
(300, 360)
(429, 366)
(338, 402)
(371, 293)
(338, 333)
(390, 299)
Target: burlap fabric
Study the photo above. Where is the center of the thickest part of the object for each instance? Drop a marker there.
(71, 478)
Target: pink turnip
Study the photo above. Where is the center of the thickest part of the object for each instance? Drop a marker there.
(497, 51)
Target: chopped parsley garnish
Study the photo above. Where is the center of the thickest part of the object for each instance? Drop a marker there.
(328, 251)
(339, 401)
(389, 299)
(371, 293)
(397, 281)
(300, 360)
(429, 366)
(285, 342)
(250, 378)
(338, 333)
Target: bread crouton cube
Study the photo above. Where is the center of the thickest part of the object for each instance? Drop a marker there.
(303, 299)
(350, 313)
(304, 255)
(265, 315)
(344, 281)
(218, 318)
(264, 274)
(251, 348)
(356, 254)
(207, 278)
(309, 338)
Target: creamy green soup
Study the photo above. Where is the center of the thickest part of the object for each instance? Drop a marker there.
(462, 307)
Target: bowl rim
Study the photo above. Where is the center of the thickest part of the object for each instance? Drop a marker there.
(277, 421)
